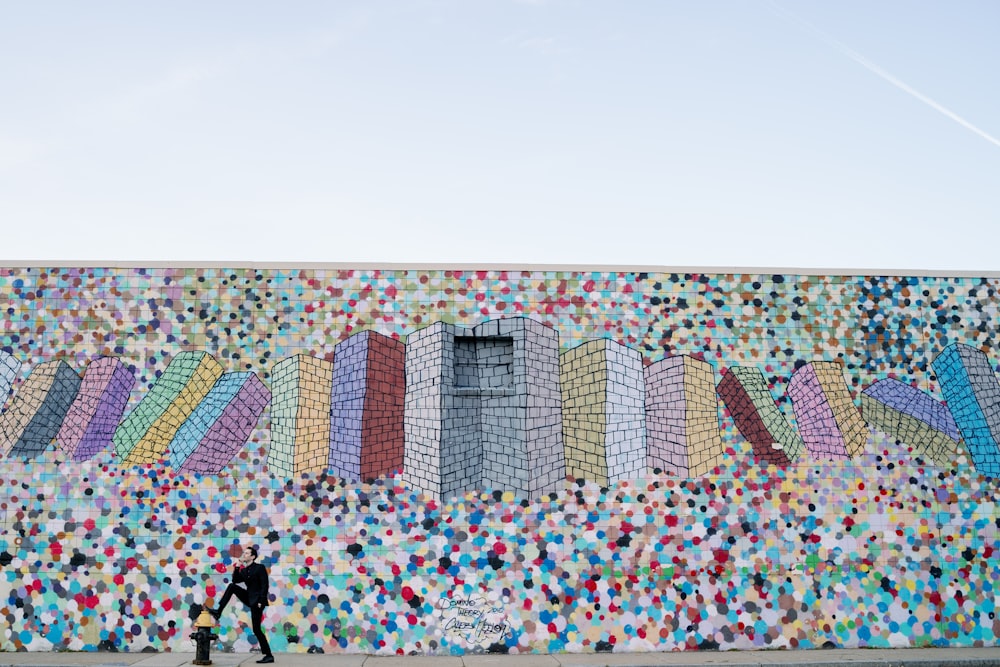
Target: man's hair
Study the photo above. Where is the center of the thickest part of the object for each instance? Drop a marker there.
(253, 551)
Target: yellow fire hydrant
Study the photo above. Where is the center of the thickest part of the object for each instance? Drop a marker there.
(203, 637)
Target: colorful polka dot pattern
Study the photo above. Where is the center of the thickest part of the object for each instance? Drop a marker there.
(880, 550)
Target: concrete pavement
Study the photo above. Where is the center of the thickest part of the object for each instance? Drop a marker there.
(926, 657)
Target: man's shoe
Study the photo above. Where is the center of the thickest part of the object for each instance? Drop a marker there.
(216, 613)
(266, 659)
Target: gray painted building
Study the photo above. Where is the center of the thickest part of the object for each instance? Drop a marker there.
(483, 409)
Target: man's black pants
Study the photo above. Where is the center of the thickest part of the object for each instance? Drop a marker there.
(256, 614)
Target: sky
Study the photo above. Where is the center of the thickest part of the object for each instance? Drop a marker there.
(759, 133)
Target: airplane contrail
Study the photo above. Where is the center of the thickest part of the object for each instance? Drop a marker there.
(878, 71)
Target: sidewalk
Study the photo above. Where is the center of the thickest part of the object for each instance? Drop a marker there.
(929, 657)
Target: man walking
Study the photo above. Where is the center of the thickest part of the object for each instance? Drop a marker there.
(248, 571)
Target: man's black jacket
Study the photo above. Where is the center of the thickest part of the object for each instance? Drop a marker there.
(254, 576)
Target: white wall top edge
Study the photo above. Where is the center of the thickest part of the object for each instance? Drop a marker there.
(497, 266)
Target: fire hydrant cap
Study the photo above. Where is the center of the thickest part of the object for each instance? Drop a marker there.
(204, 620)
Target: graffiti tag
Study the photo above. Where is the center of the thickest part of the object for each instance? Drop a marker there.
(475, 619)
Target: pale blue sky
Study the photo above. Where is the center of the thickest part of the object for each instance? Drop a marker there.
(841, 134)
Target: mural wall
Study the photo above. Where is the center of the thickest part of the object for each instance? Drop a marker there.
(437, 461)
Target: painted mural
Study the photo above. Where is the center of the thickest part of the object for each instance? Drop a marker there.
(438, 461)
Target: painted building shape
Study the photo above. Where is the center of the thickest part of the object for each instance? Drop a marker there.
(300, 415)
(603, 417)
(36, 413)
(757, 417)
(145, 434)
(972, 393)
(97, 409)
(483, 409)
(682, 416)
(9, 368)
(220, 425)
(366, 407)
(829, 422)
(912, 417)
